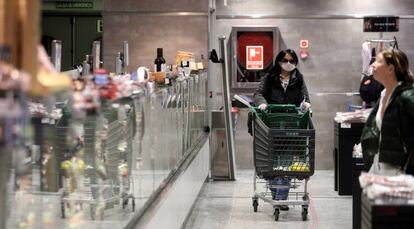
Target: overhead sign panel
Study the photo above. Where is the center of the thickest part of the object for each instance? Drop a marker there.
(381, 24)
(74, 5)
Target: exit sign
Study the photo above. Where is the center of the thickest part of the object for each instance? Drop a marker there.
(74, 5)
(254, 57)
(99, 26)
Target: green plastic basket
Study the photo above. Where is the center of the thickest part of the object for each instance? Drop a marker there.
(284, 116)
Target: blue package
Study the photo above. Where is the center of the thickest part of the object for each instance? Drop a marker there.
(134, 75)
(101, 79)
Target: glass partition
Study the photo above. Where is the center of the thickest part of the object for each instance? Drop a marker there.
(100, 170)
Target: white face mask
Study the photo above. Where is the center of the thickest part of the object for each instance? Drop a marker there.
(287, 66)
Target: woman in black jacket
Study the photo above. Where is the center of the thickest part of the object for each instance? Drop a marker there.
(388, 136)
(283, 84)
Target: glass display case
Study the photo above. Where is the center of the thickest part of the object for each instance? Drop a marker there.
(101, 169)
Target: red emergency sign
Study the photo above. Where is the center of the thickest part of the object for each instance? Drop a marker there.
(304, 44)
(254, 57)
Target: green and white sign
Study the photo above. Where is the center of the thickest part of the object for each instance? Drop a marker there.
(99, 26)
(74, 5)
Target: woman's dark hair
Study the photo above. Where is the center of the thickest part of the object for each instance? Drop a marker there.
(275, 71)
(276, 67)
(400, 61)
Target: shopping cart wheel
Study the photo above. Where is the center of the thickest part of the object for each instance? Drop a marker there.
(304, 214)
(124, 203)
(255, 205)
(276, 214)
(101, 214)
(96, 214)
(92, 212)
(62, 207)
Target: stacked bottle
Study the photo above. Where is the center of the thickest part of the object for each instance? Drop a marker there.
(159, 63)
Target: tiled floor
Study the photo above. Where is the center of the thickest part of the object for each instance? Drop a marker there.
(228, 205)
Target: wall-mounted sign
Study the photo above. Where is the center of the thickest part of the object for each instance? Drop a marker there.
(99, 26)
(248, 68)
(74, 5)
(304, 49)
(381, 24)
(304, 44)
(254, 57)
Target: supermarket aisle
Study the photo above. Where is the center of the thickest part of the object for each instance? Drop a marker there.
(229, 205)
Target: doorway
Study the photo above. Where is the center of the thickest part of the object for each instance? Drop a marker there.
(77, 34)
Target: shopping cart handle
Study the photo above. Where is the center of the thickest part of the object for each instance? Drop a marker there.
(282, 107)
(276, 108)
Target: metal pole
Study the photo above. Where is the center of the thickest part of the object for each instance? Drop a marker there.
(210, 70)
(5, 208)
(37, 155)
(126, 57)
(96, 54)
(227, 109)
(73, 48)
(57, 54)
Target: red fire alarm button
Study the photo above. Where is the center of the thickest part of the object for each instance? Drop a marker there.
(304, 44)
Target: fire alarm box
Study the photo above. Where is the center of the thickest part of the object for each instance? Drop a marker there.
(253, 50)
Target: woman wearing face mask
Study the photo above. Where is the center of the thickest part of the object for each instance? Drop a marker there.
(283, 84)
(387, 139)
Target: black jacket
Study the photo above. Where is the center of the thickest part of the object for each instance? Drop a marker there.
(397, 131)
(270, 90)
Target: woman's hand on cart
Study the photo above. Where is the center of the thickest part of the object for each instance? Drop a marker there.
(304, 106)
(262, 106)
